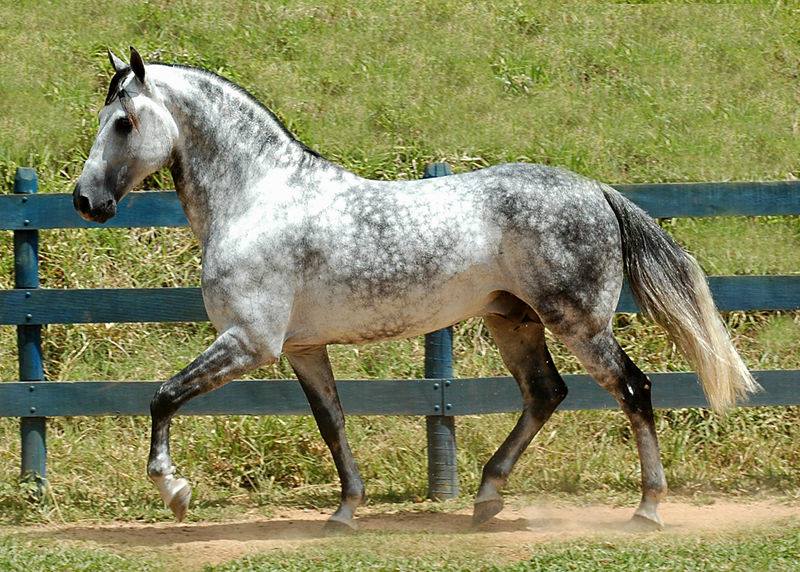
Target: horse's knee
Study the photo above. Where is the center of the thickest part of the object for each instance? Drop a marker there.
(164, 402)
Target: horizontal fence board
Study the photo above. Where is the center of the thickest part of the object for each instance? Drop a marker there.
(379, 397)
(740, 293)
(55, 210)
(670, 391)
(261, 397)
(664, 200)
(660, 200)
(56, 306)
(102, 305)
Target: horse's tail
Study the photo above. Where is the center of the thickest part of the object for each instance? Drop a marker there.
(670, 287)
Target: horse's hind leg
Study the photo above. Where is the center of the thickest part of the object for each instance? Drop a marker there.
(230, 355)
(611, 367)
(522, 346)
(313, 369)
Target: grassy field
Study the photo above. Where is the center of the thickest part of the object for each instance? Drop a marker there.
(622, 93)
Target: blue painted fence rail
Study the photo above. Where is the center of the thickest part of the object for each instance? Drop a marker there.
(439, 397)
(661, 200)
(101, 305)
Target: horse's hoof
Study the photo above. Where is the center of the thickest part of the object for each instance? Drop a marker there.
(644, 523)
(483, 511)
(179, 503)
(338, 526)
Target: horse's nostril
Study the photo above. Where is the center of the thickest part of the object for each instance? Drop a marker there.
(83, 204)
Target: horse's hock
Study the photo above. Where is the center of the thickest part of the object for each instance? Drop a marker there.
(439, 397)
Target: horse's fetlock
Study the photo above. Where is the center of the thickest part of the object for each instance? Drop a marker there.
(354, 494)
(156, 473)
(658, 489)
(489, 490)
(160, 467)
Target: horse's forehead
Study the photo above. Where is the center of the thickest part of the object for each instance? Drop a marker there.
(124, 80)
(131, 85)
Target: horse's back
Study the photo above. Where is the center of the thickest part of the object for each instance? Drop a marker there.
(372, 260)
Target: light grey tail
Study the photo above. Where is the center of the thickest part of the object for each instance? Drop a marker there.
(670, 287)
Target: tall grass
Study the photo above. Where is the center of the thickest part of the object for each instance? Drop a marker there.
(622, 93)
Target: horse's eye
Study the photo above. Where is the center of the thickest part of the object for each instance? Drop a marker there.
(123, 125)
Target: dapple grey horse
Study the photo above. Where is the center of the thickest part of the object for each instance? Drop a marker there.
(299, 253)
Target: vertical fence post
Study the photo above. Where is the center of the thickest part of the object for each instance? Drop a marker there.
(441, 430)
(29, 337)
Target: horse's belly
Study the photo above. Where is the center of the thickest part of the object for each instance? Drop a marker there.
(347, 319)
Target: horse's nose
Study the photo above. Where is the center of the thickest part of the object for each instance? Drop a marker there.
(79, 201)
(83, 204)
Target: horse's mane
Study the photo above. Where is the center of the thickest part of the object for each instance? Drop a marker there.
(113, 89)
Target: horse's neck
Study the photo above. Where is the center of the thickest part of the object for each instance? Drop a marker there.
(229, 147)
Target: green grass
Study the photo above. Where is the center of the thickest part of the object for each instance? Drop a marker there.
(636, 93)
(766, 550)
(20, 555)
(622, 93)
(773, 548)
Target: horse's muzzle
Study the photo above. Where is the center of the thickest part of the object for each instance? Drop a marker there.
(93, 210)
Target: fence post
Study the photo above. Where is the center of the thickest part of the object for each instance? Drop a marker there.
(441, 430)
(29, 338)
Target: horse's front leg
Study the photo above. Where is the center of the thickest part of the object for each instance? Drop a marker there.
(231, 354)
(313, 369)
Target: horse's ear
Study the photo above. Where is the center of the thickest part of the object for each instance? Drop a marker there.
(116, 63)
(137, 65)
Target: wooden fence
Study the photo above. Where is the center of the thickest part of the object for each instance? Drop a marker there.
(439, 397)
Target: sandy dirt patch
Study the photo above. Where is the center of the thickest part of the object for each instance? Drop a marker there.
(508, 535)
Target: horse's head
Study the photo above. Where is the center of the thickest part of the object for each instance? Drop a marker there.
(137, 136)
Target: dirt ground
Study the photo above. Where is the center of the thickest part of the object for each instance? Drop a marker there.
(193, 545)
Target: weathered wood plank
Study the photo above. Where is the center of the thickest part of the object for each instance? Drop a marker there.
(664, 200)
(264, 397)
(46, 306)
(162, 208)
(52, 306)
(670, 391)
(379, 397)
(55, 210)
(741, 293)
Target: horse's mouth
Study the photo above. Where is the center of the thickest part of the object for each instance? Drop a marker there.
(98, 216)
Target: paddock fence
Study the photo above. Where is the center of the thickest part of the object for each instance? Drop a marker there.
(439, 397)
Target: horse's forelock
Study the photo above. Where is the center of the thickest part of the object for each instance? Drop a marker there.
(113, 87)
(115, 91)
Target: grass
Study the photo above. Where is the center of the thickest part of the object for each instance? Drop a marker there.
(765, 550)
(622, 93)
(774, 548)
(18, 555)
